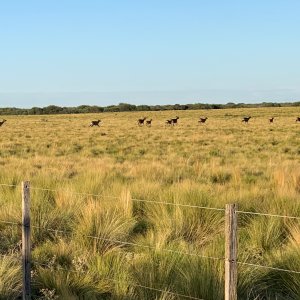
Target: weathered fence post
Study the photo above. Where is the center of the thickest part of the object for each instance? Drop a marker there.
(230, 252)
(26, 245)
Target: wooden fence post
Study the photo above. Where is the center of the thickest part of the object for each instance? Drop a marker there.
(26, 245)
(230, 252)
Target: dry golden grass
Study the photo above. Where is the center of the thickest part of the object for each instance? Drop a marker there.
(256, 165)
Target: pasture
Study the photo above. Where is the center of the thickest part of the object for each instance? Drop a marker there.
(224, 160)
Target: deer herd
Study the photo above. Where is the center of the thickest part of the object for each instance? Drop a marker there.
(168, 122)
(174, 121)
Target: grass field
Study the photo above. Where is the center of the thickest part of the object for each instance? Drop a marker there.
(255, 165)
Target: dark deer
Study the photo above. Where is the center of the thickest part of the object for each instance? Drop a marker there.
(271, 120)
(174, 121)
(246, 119)
(202, 120)
(2, 122)
(148, 123)
(169, 122)
(141, 121)
(95, 123)
(298, 119)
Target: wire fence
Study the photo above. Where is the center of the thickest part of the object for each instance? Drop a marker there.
(155, 202)
(130, 243)
(116, 197)
(124, 243)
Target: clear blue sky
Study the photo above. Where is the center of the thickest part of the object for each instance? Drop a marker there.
(71, 52)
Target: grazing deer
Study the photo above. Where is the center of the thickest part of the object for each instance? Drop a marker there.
(174, 121)
(271, 120)
(95, 123)
(2, 122)
(141, 121)
(202, 120)
(148, 123)
(246, 119)
(298, 119)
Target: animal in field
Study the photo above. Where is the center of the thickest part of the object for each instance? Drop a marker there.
(246, 119)
(141, 121)
(95, 123)
(271, 120)
(174, 121)
(2, 122)
(149, 122)
(202, 120)
(169, 122)
(298, 119)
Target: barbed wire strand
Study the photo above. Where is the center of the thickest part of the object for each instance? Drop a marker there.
(172, 203)
(120, 242)
(10, 223)
(133, 199)
(176, 252)
(266, 214)
(132, 284)
(116, 197)
(166, 250)
(157, 202)
(268, 267)
(179, 204)
(8, 185)
(154, 248)
(131, 243)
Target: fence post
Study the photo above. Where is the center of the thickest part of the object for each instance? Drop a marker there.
(26, 247)
(230, 252)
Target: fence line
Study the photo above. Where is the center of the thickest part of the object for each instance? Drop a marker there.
(133, 199)
(120, 242)
(133, 244)
(116, 197)
(157, 202)
(152, 247)
(230, 259)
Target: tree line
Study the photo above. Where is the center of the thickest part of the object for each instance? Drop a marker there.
(123, 107)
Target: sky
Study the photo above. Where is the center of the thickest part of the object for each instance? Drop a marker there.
(99, 52)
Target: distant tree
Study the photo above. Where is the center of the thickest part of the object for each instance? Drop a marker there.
(143, 108)
(126, 107)
(53, 109)
(230, 105)
(35, 111)
(111, 108)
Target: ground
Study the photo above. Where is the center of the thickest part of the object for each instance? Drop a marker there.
(256, 165)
